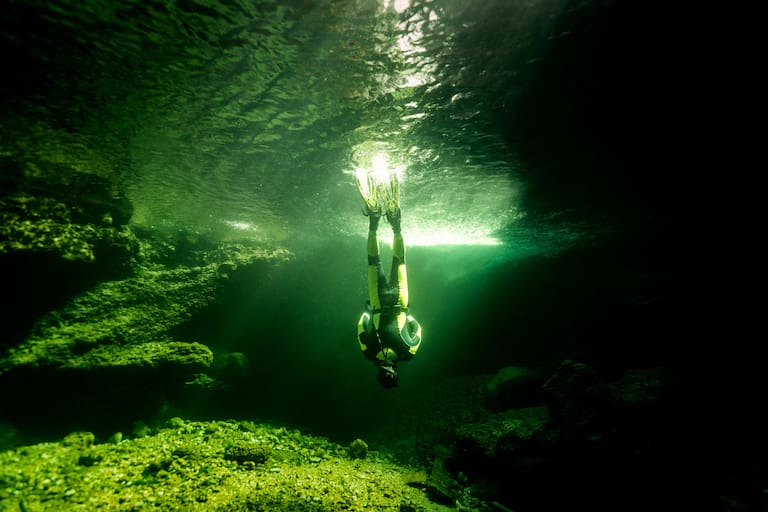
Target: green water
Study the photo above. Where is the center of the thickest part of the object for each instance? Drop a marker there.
(532, 195)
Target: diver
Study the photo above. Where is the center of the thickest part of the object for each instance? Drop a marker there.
(387, 332)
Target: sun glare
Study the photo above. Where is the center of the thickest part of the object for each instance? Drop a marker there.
(424, 237)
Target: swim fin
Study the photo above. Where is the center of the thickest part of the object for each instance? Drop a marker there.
(390, 194)
(369, 193)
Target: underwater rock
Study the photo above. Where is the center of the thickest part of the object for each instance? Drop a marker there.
(140, 308)
(358, 449)
(230, 366)
(189, 355)
(475, 448)
(47, 225)
(245, 451)
(46, 257)
(441, 486)
(579, 442)
(170, 355)
(140, 429)
(417, 479)
(95, 314)
(202, 382)
(514, 387)
(90, 198)
(174, 423)
(80, 440)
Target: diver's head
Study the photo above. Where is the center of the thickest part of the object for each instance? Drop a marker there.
(387, 375)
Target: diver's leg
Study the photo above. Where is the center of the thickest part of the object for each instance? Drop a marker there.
(398, 275)
(376, 276)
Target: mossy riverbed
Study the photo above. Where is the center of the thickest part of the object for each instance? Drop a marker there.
(211, 466)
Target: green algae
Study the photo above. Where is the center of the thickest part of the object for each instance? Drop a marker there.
(211, 466)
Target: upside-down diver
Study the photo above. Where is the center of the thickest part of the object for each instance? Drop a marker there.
(387, 332)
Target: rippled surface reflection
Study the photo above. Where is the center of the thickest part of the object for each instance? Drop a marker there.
(241, 119)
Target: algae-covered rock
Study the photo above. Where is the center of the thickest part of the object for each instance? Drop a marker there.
(115, 438)
(358, 449)
(140, 429)
(31, 223)
(230, 366)
(244, 451)
(80, 440)
(96, 305)
(88, 197)
(109, 297)
(49, 253)
(126, 322)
